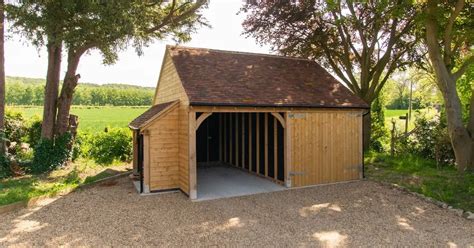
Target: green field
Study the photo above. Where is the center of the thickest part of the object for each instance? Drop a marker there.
(92, 118)
(395, 113)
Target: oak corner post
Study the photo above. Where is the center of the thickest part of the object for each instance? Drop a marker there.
(192, 156)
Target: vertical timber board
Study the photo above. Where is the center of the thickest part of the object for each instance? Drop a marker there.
(243, 141)
(225, 137)
(135, 151)
(237, 116)
(287, 150)
(257, 143)
(250, 141)
(192, 156)
(164, 151)
(221, 131)
(275, 149)
(231, 151)
(146, 161)
(266, 144)
(169, 88)
(325, 146)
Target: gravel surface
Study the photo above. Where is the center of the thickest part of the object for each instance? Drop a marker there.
(351, 214)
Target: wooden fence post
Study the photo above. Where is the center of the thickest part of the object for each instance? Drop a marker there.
(392, 141)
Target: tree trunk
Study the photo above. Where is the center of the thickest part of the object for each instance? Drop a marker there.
(51, 90)
(367, 130)
(67, 91)
(461, 139)
(2, 74)
(470, 129)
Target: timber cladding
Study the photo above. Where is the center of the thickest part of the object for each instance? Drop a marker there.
(164, 150)
(169, 88)
(326, 147)
(296, 127)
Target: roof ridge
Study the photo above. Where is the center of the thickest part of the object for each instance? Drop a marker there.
(240, 52)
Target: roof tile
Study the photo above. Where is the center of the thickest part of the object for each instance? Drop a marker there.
(215, 77)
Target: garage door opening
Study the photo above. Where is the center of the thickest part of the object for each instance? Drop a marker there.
(239, 154)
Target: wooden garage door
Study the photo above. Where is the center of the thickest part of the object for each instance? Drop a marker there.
(326, 147)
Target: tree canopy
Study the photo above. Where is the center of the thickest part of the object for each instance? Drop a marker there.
(363, 43)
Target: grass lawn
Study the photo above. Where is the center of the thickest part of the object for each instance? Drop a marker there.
(421, 175)
(395, 113)
(92, 118)
(68, 178)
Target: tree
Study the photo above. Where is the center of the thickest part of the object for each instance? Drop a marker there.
(43, 23)
(362, 42)
(2, 76)
(449, 33)
(113, 27)
(109, 26)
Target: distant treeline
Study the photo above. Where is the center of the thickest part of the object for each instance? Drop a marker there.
(30, 91)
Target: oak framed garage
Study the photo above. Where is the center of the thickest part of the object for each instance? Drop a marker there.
(283, 119)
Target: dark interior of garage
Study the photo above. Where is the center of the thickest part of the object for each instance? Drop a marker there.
(253, 142)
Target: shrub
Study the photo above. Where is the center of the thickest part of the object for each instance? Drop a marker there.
(34, 132)
(107, 147)
(379, 132)
(49, 154)
(5, 170)
(429, 140)
(15, 127)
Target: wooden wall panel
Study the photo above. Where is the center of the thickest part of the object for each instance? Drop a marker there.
(169, 88)
(163, 152)
(325, 146)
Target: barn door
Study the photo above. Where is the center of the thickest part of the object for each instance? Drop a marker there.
(326, 147)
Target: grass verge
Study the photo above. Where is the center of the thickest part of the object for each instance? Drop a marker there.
(68, 178)
(422, 176)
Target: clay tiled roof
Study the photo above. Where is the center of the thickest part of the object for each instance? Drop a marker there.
(149, 115)
(214, 77)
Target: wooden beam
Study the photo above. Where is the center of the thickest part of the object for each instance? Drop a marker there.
(221, 121)
(279, 118)
(231, 109)
(250, 141)
(243, 141)
(275, 150)
(192, 156)
(287, 150)
(237, 139)
(257, 143)
(201, 119)
(146, 161)
(266, 144)
(231, 146)
(225, 137)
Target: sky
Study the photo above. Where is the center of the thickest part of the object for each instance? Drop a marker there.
(22, 59)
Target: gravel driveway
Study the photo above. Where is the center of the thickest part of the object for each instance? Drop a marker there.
(351, 214)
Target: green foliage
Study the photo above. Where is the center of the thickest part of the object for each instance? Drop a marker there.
(464, 87)
(379, 132)
(110, 146)
(49, 154)
(363, 42)
(34, 132)
(30, 91)
(430, 140)
(5, 170)
(15, 126)
(420, 174)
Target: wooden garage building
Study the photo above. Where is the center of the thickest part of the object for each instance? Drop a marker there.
(282, 118)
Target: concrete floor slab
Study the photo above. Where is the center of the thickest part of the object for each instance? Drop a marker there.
(214, 182)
